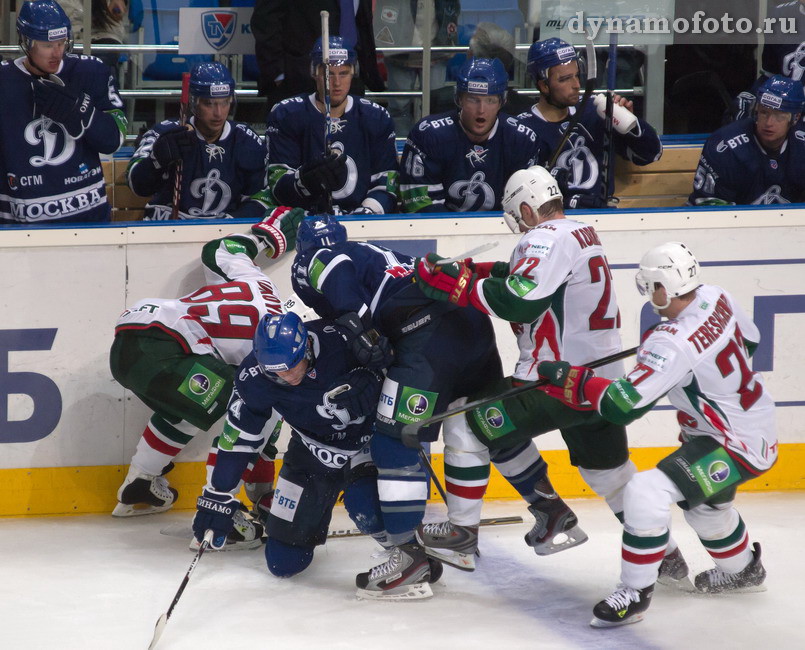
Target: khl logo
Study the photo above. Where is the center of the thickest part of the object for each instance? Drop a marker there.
(219, 27)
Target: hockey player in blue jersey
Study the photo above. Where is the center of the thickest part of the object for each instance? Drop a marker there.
(783, 52)
(758, 160)
(223, 161)
(60, 111)
(357, 168)
(554, 66)
(459, 161)
(441, 352)
(307, 374)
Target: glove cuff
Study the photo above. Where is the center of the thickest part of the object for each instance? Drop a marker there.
(594, 389)
(272, 237)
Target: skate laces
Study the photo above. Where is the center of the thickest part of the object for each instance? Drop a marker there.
(159, 487)
(391, 565)
(440, 528)
(717, 577)
(622, 597)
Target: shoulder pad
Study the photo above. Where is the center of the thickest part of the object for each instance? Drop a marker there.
(434, 123)
(248, 131)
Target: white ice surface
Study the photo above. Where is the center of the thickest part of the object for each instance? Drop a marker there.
(88, 582)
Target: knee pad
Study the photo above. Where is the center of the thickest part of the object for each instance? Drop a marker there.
(363, 504)
(609, 483)
(647, 500)
(284, 560)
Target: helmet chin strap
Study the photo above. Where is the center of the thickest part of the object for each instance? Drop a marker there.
(657, 308)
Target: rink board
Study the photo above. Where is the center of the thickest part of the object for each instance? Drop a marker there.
(67, 430)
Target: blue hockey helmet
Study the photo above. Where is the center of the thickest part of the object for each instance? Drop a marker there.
(211, 81)
(319, 231)
(280, 342)
(43, 20)
(482, 77)
(781, 94)
(544, 55)
(341, 53)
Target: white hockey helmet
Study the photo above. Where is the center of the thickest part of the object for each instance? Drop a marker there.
(673, 266)
(533, 186)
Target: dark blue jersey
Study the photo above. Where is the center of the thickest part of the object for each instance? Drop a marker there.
(784, 48)
(441, 170)
(583, 154)
(350, 277)
(365, 133)
(47, 175)
(735, 168)
(305, 407)
(219, 178)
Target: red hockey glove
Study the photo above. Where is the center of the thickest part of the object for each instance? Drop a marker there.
(570, 379)
(278, 229)
(453, 283)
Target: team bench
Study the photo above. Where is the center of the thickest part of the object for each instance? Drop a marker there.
(665, 183)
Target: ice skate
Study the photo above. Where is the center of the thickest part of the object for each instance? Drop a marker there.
(556, 529)
(452, 544)
(404, 576)
(144, 494)
(716, 581)
(625, 605)
(247, 534)
(673, 571)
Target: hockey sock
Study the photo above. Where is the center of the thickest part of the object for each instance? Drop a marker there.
(732, 552)
(523, 467)
(641, 557)
(159, 444)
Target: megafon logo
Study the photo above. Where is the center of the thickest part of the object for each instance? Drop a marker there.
(219, 27)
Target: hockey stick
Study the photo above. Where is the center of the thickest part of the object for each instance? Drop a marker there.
(328, 119)
(491, 521)
(592, 74)
(184, 531)
(163, 620)
(410, 430)
(608, 160)
(177, 172)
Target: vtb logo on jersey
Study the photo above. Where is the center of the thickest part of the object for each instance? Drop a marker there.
(219, 27)
(57, 145)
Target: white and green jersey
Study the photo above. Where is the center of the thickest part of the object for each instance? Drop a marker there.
(561, 297)
(700, 360)
(220, 317)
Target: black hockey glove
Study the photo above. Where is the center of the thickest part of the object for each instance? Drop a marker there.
(370, 349)
(71, 110)
(172, 146)
(322, 176)
(215, 511)
(357, 392)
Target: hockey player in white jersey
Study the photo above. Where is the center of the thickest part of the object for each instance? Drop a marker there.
(60, 111)
(557, 291)
(179, 356)
(699, 359)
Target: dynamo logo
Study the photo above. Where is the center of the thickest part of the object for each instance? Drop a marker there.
(218, 27)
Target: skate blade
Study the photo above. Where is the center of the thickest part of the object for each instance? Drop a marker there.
(234, 546)
(727, 592)
(561, 542)
(463, 561)
(683, 584)
(597, 622)
(414, 591)
(138, 509)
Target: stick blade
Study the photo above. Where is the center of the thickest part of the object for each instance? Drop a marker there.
(159, 628)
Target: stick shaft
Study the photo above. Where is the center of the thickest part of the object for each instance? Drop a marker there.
(325, 59)
(177, 172)
(608, 171)
(516, 390)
